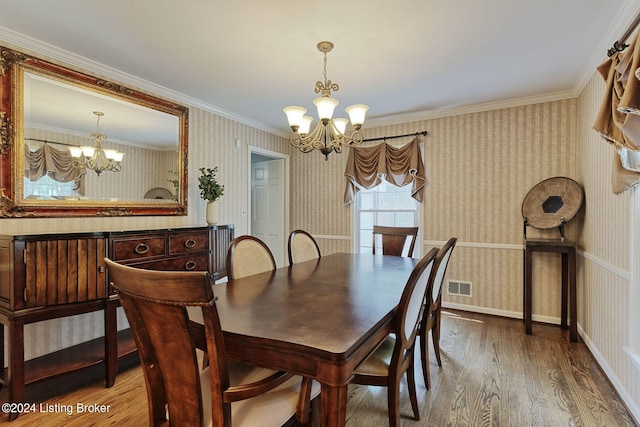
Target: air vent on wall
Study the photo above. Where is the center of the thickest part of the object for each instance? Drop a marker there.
(458, 287)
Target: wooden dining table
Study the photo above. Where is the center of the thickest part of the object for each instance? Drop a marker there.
(320, 318)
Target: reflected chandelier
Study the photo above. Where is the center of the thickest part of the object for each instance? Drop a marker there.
(95, 157)
(329, 134)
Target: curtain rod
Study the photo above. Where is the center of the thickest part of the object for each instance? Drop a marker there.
(620, 45)
(384, 138)
(50, 142)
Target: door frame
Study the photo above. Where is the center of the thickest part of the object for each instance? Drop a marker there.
(285, 209)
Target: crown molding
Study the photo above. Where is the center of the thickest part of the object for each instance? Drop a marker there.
(623, 19)
(468, 109)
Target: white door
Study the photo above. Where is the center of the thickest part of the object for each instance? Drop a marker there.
(267, 205)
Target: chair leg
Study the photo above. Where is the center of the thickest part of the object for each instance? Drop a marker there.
(303, 408)
(435, 336)
(393, 402)
(411, 383)
(424, 356)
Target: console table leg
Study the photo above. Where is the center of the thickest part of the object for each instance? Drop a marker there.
(573, 298)
(15, 371)
(565, 291)
(111, 342)
(528, 290)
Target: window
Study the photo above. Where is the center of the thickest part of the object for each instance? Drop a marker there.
(387, 205)
(48, 187)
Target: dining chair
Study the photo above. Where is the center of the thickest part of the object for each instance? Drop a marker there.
(432, 309)
(394, 239)
(386, 365)
(179, 393)
(302, 247)
(248, 255)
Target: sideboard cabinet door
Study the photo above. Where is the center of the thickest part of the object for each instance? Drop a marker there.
(64, 271)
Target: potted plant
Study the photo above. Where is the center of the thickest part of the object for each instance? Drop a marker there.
(210, 190)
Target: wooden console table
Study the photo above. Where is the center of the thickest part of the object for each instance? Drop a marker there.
(49, 276)
(569, 301)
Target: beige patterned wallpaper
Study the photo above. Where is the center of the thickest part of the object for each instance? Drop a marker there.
(605, 304)
(480, 166)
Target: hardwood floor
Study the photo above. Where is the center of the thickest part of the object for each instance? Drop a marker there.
(493, 374)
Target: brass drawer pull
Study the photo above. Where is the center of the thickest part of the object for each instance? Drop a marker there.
(190, 265)
(141, 249)
(190, 243)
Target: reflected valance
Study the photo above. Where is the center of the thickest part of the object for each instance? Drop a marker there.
(400, 166)
(57, 164)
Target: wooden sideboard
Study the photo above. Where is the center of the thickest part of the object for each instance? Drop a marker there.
(48, 276)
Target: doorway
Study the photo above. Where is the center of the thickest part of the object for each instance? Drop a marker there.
(269, 200)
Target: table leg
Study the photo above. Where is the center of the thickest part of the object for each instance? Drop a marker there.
(573, 299)
(565, 291)
(528, 293)
(334, 405)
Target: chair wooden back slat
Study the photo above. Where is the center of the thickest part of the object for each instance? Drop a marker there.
(394, 239)
(155, 304)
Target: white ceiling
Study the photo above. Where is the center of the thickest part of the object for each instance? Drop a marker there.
(408, 59)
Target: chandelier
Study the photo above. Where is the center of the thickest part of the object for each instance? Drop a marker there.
(95, 157)
(329, 134)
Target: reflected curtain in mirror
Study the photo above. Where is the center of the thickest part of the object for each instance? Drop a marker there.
(57, 164)
(400, 166)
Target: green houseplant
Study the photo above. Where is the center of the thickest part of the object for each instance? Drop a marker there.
(210, 190)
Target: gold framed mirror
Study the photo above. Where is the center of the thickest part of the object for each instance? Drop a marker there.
(72, 144)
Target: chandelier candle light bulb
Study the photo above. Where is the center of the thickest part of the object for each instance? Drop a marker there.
(329, 134)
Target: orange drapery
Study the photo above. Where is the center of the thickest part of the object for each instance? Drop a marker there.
(400, 166)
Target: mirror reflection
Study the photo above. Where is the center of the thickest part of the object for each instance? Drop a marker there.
(82, 145)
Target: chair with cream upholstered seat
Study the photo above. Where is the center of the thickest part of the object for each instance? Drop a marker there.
(302, 247)
(393, 240)
(248, 255)
(179, 393)
(432, 310)
(395, 356)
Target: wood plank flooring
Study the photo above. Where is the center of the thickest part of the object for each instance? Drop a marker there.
(493, 374)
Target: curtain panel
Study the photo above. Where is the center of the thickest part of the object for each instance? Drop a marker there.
(400, 166)
(57, 164)
(618, 120)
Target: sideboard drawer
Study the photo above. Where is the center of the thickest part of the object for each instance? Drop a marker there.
(188, 243)
(185, 263)
(138, 248)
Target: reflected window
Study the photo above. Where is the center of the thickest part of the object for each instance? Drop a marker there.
(47, 187)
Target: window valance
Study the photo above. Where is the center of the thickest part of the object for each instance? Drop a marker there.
(400, 166)
(618, 120)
